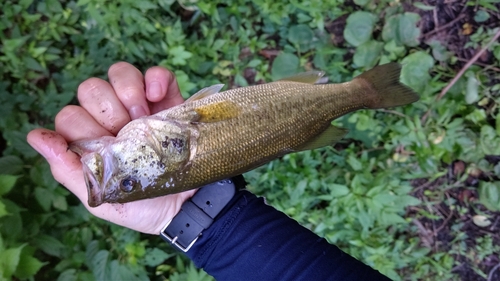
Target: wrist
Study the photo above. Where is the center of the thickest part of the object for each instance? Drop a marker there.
(197, 214)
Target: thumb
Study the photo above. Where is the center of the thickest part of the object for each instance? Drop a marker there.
(64, 164)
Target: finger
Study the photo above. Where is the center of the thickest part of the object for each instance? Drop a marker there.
(75, 123)
(162, 89)
(100, 100)
(64, 164)
(128, 83)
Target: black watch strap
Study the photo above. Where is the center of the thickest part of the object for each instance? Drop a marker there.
(197, 214)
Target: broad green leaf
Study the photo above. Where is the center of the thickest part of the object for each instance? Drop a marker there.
(10, 165)
(28, 265)
(50, 245)
(472, 90)
(489, 195)
(415, 72)
(9, 260)
(284, 65)
(44, 197)
(7, 182)
(301, 35)
(489, 141)
(100, 264)
(481, 16)
(355, 163)
(402, 28)
(359, 27)
(338, 190)
(155, 257)
(439, 52)
(368, 53)
(3, 210)
(68, 275)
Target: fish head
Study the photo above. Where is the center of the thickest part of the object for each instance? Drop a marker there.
(119, 170)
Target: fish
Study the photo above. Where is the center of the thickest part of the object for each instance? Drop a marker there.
(215, 135)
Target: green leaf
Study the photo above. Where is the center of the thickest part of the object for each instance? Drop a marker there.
(368, 53)
(28, 265)
(402, 28)
(9, 260)
(99, 264)
(301, 35)
(481, 16)
(439, 52)
(284, 65)
(489, 195)
(472, 90)
(359, 27)
(7, 182)
(155, 257)
(415, 72)
(355, 163)
(49, 245)
(338, 190)
(43, 197)
(423, 6)
(179, 55)
(10, 165)
(3, 210)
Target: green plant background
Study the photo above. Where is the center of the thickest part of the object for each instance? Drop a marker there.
(372, 195)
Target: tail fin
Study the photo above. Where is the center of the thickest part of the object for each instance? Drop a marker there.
(384, 81)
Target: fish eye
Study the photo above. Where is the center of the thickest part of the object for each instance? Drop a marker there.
(127, 185)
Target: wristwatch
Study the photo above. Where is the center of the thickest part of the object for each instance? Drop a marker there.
(198, 213)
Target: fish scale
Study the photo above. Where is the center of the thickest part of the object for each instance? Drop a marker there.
(218, 135)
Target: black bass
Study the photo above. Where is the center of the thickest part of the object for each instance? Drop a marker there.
(216, 135)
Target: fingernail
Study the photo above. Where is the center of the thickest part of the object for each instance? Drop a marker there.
(154, 91)
(137, 111)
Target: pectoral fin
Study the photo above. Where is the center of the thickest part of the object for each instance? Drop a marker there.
(310, 77)
(216, 112)
(205, 92)
(329, 137)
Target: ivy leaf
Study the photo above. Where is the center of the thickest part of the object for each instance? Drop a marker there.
(284, 65)
(359, 28)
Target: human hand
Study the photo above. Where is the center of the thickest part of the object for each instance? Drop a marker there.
(104, 109)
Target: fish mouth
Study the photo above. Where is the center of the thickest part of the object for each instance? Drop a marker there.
(95, 194)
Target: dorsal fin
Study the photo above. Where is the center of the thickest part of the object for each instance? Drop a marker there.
(205, 92)
(216, 112)
(329, 137)
(310, 77)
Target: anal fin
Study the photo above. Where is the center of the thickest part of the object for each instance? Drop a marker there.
(329, 137)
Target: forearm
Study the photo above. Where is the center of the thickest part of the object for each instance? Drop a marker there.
(253, 241)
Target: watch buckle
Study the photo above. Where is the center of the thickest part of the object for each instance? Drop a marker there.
(173, 240)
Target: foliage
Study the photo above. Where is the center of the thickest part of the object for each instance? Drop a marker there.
(360, 195)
